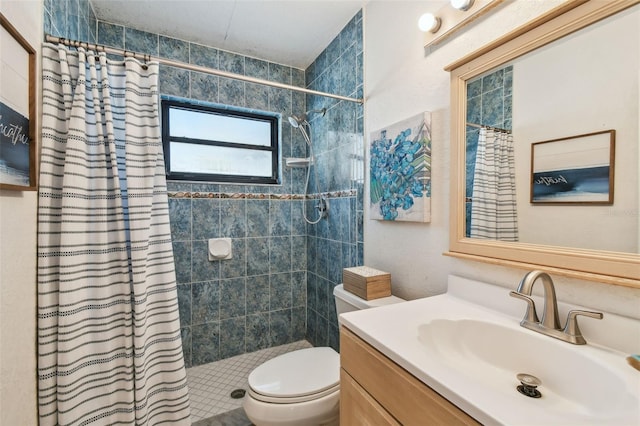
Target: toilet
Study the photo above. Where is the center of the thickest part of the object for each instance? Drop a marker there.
(303, 387)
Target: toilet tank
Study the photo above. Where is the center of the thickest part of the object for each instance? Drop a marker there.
(347, 302)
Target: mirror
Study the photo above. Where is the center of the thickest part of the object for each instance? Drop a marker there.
(571, 72)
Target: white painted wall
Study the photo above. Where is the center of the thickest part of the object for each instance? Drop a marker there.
(401, 82)
(18, 266)
(554, 97)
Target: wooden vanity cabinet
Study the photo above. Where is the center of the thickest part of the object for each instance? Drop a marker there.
(376, 391)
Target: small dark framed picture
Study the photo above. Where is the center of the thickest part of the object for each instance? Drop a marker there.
(17, 111)
(574, 170)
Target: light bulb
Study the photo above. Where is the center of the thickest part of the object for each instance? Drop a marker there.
(429, 22)
(462, 4)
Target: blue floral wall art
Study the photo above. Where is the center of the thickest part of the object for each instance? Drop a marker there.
(400, 169)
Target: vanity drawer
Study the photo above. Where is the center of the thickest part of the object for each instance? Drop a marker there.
(357, 407)
(406, 398)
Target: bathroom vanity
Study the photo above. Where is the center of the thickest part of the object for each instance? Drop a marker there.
(457, 358)
(375, 390)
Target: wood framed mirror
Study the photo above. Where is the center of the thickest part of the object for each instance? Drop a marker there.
(574, 241)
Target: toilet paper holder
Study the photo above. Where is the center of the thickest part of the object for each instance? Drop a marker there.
(220, 249)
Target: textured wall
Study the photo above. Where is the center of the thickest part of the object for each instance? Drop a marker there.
(18, 215)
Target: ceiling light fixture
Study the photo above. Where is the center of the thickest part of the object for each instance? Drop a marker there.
(429, 22)
(462, 5)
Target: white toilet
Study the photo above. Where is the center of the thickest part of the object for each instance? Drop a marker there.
(303, 387)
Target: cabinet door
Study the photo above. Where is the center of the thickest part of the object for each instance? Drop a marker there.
(358, 408)
(408, 400)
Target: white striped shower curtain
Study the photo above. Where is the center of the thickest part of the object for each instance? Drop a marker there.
(493, 205)
(109, 346)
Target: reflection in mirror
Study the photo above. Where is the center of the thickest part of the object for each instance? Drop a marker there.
(583, 83)
(566, 73)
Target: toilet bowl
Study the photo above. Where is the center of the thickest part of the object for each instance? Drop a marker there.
(296, 388)
(302, 387)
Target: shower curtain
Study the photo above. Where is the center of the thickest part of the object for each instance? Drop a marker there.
(109, 346)
(493, 205)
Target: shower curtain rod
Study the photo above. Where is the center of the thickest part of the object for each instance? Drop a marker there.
(191, 67)
(480, 126)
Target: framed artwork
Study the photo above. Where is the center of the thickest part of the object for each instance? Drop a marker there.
(17, 111)
(574, 170)
(400, 171)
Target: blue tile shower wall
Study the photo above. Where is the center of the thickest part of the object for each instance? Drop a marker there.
(255, 300)
(277, 289)
(338, 145)
(72, 19)
(488, 103)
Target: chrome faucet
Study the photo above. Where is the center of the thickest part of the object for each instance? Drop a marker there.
(549, 325)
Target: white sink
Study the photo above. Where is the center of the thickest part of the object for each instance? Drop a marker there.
(471, 355)
(494, 353)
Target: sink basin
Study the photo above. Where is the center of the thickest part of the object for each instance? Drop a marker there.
(573, 380)
(470, 349)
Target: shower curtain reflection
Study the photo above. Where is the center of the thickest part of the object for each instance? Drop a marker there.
(493, 206)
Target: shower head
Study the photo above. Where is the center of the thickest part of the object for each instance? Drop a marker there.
(297, 121)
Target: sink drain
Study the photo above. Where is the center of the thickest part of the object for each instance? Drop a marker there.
(528, 385)
(238, 393)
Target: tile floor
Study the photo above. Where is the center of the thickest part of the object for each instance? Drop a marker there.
(210, 385)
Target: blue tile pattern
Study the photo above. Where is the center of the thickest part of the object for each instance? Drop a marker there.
(205, 346)
(257, 332)
(258, 288)
(257, 256)
(205, 306)
(233, 294)
(231, 92)
(182, 260)
(278, 287)
(280, 254)
(338, 141)
(141, 41)
(204, 87)
(232, 337)
(204, 56)
(237, 266)
(173, 81)
(180, 214)
(111, 35)
(280, 327)
(174, 49)
(72, 19)
(280, 291)
(184, 304)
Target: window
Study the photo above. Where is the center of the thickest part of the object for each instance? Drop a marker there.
(206, 143)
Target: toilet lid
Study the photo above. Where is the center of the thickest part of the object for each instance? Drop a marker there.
(298, 373)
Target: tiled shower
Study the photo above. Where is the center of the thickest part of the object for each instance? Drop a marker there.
(278, 287)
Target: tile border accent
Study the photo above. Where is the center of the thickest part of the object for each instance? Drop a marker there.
(260, 196)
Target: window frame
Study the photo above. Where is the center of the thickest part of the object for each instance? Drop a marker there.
(273, 147)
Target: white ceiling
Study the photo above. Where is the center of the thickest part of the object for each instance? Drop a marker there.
(288, 32)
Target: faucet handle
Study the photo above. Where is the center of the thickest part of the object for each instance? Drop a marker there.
(530, 315)
(572, 330)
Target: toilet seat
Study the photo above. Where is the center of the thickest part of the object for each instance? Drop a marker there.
(293, 399)
(297, 376)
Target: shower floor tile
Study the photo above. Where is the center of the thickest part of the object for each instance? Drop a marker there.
(210, 385)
